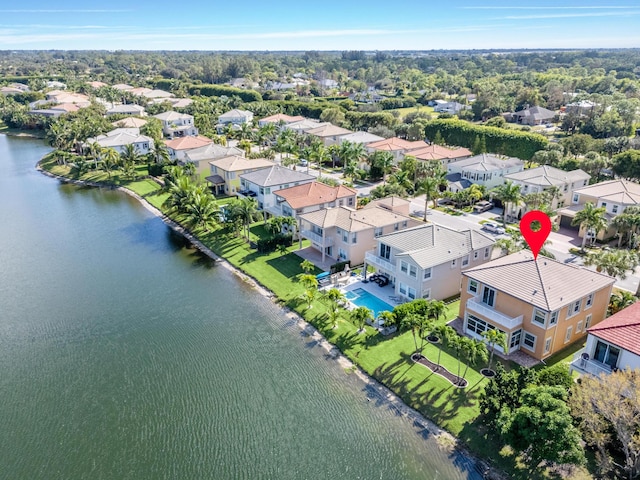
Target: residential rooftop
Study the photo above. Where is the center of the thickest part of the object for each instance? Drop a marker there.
(354, 220)
(314, 193)
(395, 143)
(486, 162)
(276, 175)
(438, 152)
(235, 163)
(621, 329)
(547, 176)
(187, 143)
(618, 191)
(212, 151)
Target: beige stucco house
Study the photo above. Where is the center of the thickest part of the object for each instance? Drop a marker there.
(427, 261)
(541, 305)
(309, 197)
(226, 171)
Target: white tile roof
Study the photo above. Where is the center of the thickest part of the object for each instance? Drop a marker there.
(546, 176)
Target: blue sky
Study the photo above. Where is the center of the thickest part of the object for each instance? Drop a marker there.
(318, 24)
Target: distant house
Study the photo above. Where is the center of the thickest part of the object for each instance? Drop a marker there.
(426, 261)
(328, 83)
(177, 102)
(343, 233)
(158, 94)
(56, 84)
(615, 196)
(20, 86)
(436, 103)
(226, 171)
(129, 122)
(450, 107)
(279, 118)
(10, 91)
(129, 109)
(122, 87)
(581, 108)
(179, 147)
(263, 184)
(55, 111)
(96, 85)
(175, 125)
(361, 137)
(140, 91)
(366, 97)
(302, 126)
(242, 83)
(613, 344)
(444, 155)
(541, 305)
(531, 116)
(59, 96)
(329, 134)
(236, 117)
(309, 197)
(485, 169)
(120, 138)
(280, 86)
(545, 178)
(397, 146)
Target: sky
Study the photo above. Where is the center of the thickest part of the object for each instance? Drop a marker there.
(318, 24)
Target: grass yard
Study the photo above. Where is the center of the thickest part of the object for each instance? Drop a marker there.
(421, 108)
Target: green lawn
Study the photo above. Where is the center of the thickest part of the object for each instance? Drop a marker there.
(422, 108)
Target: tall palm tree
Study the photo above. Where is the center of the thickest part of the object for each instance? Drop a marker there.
(110, 160)
(94, 151)
(246, 209)
(414, 323)
(436, 309)
(619, 301)
(508, 194)
(430, 188)
(495, 337)
(130, 154)
(202, 211)
(441, 331)
(320, 155)
(474, 351)
(307, 266)
(309, 295)
(384, 161)
(615, 263)
(334, 299)
(591, 218)
(457, 343)
(359, 317)
(308, 281)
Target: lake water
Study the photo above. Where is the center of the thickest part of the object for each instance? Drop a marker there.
(124, 355)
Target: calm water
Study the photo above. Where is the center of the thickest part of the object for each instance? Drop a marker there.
(125, 356)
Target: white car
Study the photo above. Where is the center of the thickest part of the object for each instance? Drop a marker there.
(493, 228)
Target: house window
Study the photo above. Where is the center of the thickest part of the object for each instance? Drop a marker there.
(413, 271)
(377, 232)
(579, 327)
(607, 354)
(345, 236)
(341, 203)
(475, 255)
(567, 336)
(404, 224)
(427, 273)
(404, 266)
(486, 253)
(589, 301)
(261, 190)
(396, 226)
(427, 294)
(145, 145)
(385, 251)
(539, 316)
(402, 288)
(342, 255)
(267, 190)
(465, 261)
(515, 339)
(553, 318)
(573, 308)
(587, 321)
(529, 341)
(489, 296)
(472, 286)
(350, 201)
(547, 345)
(354, 237)
(479, 326)
(614, 209)
(411, 293)
(604, 204)
(453, 263)
(576, 197)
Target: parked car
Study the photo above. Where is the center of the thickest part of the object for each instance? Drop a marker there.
(445, 201)
(303, 162)
(493, 228)
(482, 206)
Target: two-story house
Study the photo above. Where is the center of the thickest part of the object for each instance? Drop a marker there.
(226, 171)
(264, 183)
(397, 146)
(279, 119)
(302, 126)
(128, 109)
(360, 137)
(612, 344)
(613, 195)
(427, 261)
(235, 117)
(180, 147)
(328, 134)
(201, 156)
(438, 153)
(119, 138)
(547, 178)
(541, 305)
(309, 197)
(484, 169)
(176, 124)
(343, 233)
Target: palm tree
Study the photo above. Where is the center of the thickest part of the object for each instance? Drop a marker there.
(320, 155)
(202, 211)
(619, 301)
(430, 188)
(615, 263)
(180, 191)
(359, 317)
(94, 150)
(384, 161)
(441, 331)
(436, 309)
(308, 281)
(388, 318)
(309, 296)
(414, 323)
(591, 219)
(307, 266)
(495, 337)
(246, 209)
(457, 343)
(474, 351)
(508, 194)
(110, 160)
(161, 154)
(334, 299)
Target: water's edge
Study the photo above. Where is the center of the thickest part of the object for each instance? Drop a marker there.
(445, 439)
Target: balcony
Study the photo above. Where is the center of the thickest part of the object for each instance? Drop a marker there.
(492, 315)
(372, 259)
(274, 210)
(583, 364)
(246, 194)
(317, 239)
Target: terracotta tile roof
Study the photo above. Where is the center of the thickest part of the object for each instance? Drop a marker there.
(129, 122)
(314, 193)
(395, 143)
(281, 117)
(621, 329)
(354, 220)
(187, 143)
(438, 152)
(544, 283)
(67, 107)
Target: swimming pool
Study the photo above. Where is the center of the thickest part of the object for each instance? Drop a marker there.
(361, 298)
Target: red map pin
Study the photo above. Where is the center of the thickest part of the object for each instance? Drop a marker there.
(535, 239)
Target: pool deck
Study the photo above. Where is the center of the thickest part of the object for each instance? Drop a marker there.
(383, 293)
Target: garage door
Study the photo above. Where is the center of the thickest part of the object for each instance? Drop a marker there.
(565, 222)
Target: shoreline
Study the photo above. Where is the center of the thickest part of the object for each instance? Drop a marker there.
(444, 439)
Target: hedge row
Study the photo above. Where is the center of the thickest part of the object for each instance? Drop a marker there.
(512, 143)
(210, 90)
